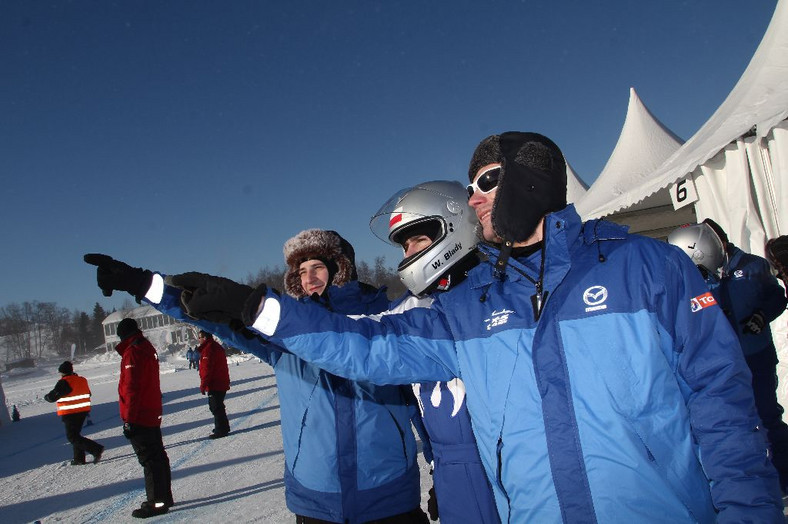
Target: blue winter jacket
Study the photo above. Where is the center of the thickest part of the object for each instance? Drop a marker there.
(748, 286)
(461, 487)
(350, 454)
(627, 400)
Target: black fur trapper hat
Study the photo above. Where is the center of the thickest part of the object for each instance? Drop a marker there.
(319, 244)
(532, 182)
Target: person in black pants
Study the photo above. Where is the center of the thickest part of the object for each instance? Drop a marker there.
(214, 381)
(72, 395)
(139, 396)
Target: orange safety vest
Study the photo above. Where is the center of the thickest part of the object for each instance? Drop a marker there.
(78, 400)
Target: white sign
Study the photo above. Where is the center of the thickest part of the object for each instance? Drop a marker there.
(683, 192)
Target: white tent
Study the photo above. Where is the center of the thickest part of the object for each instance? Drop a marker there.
(643, 145)
(575, 187)
(735, 168)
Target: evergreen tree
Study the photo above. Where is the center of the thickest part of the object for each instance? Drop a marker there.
(96, 327)
(82, 325)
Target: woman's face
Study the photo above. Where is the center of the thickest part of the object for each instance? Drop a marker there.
(314, 276)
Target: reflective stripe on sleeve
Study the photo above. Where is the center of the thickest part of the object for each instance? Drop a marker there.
(268, 318)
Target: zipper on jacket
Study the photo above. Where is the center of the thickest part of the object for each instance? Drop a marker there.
(540, 297)
(499, 473)
(303, 424)
(401, 436)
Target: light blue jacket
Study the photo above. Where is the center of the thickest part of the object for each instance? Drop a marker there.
(628, 400)
(350, 454)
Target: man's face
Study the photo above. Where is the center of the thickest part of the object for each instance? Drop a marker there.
(416, 244)
(482, 204)
(314, 276)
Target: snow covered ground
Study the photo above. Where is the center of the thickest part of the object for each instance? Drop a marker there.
(236, 479)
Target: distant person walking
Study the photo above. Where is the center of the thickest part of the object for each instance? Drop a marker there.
(190, 357)
(214, 381)
(139, 396)
(72, 395)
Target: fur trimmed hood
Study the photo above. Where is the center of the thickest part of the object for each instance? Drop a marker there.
(327, 246)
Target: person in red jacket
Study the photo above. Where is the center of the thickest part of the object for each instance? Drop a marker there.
(139, 396)
(215, 381)
(72, 395)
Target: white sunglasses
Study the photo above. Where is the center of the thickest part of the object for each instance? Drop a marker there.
(485, 182)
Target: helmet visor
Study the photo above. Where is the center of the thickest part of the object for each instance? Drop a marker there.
(399, 215)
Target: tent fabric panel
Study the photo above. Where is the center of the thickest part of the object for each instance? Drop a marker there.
(725, 194)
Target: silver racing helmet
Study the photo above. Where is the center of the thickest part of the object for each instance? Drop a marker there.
(438, 209)
(701, 244)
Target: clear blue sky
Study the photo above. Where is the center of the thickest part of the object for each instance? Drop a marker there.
(193, 135)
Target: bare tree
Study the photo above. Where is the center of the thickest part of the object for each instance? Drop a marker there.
(128, 303)
(16, 331)
(377, 275)
(381, 275)
(53, 321)
(271, 277)
(40, 333)
(30, 329)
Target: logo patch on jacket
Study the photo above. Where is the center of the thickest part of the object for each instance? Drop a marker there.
(739, 273)
(498, 318)
(702, 301)
(594, 297)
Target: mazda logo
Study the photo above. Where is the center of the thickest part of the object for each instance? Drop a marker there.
(595, 295)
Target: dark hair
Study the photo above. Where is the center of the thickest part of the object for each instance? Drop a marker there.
(127, 327)
(718, 230)
(205, 335)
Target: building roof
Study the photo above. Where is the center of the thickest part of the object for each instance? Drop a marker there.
(139, 312)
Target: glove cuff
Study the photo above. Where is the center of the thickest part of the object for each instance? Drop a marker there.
(252, 305)
(143, 284)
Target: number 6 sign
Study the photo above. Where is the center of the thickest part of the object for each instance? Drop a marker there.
(683, 192)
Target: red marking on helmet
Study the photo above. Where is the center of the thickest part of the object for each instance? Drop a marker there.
(394, 219)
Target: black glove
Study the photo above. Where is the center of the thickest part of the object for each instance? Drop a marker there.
(755, 323)
(116, 275)
(206, 297)
(432, 504)
(128, 430)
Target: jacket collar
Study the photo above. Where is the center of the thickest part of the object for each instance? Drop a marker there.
(353, 298)
(128, 342)
(733, 259)
(564, 231)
